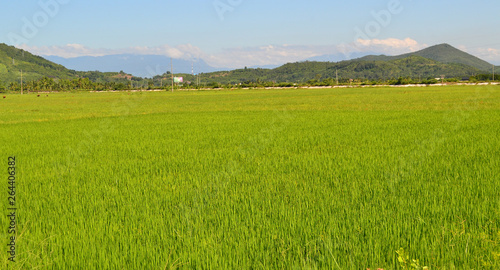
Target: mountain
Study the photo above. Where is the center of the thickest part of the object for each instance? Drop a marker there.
(13, 60)
(413, 66)
(431, 62)
(138, 65)
(443, 53)
(453, 63)
(266, 66)
(338, 57)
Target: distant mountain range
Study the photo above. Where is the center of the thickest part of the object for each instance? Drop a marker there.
(266, 66)
(339, 57)
(151, 65)
(413, 66)
(145, 66)
(431, 62)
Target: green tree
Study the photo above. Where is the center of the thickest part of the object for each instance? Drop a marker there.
(13, 86)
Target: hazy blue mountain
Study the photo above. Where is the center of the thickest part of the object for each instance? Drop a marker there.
(137, 65)
(266, 66)
(338, 57)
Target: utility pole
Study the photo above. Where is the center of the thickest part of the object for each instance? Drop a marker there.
(22, 81)
(172, 72)
(493, 72)
(337, 75)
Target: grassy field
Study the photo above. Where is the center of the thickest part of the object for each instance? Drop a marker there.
(255, 179)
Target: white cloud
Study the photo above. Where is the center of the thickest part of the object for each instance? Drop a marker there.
(494, 52)
(237, 57)
(491, 55)
(272, 54)
(261, 55)
(264, 55)
(67, 51)
(185, 51)
(408, 44)
(231, 57)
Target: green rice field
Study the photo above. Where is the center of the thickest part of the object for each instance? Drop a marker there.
(254, 179)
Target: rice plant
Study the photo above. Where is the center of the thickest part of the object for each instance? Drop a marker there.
(266, 179)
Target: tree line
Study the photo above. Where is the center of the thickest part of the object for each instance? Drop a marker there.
(47, 84)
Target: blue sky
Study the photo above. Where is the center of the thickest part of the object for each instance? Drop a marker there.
(236, 33)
